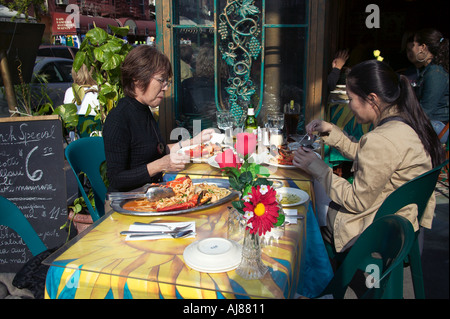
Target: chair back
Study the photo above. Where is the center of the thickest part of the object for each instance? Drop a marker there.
(416, 191)
(380, 250)
(87, 155)
(12, 217)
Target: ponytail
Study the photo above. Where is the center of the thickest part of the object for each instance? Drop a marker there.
(436, 44)
(377, 77)
(414, 115)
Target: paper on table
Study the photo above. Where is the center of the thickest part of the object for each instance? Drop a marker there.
(290, 212)
(157, 227)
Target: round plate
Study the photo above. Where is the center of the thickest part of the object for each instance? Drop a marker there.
(212, 161)
(286, 192)
(269, 162)
(213, 255)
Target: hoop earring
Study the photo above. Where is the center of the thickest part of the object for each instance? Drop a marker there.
(424, 59)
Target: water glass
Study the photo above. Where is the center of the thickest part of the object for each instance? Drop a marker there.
(275, 121)
(224, 120)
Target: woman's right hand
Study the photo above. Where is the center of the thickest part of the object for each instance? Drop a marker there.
(319, 126)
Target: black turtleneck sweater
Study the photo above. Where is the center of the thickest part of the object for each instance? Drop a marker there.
(131, 136)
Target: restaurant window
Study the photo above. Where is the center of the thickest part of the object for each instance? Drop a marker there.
(251, 52)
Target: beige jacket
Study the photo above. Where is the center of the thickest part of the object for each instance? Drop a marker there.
(383, 160)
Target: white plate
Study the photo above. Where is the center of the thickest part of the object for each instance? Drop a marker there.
(202, 158)
(212, 161)
(289, 191)
(268, 161)
(213, 255)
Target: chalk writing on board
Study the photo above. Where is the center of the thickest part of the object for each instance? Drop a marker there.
(32, 177)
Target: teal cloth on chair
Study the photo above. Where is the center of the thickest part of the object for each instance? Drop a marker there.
(87, 155)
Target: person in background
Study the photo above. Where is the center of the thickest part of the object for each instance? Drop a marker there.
(337, 65)
(84, 80)
(87, 91)
(431, 48)
(136, 153)
(411, 72)
(401, 146)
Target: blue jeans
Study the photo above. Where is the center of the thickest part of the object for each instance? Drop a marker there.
(438, 126)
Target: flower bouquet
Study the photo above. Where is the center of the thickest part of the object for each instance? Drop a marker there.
(258, 203)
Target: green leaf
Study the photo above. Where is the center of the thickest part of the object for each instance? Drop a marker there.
(239, 206)
(68, 113)
(280, 220)
(120, 31)
(112, 63)
(235, 184)
(97, 36)
(246, 178)
(79, 60)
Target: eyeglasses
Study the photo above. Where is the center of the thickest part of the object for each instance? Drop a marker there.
(164, 82)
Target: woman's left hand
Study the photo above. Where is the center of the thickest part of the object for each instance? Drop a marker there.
(303, 157)
(204, 136)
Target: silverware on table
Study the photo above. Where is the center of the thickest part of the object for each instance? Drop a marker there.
(153, 193)
(179, 234)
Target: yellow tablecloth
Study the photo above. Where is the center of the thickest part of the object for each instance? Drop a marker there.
(101, 264)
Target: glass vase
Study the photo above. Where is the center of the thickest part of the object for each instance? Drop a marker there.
(236, 226)
(251, 266)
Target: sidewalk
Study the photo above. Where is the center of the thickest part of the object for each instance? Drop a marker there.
(435, 254)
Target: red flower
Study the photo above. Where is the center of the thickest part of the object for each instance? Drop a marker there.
(262, 209)
(227, 159)
(245, 143)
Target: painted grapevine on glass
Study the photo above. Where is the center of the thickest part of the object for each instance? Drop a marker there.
(240, 34)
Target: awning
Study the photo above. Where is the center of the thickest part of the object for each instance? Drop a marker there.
(87, 23)
(139, 27)
(123, 22)
(146, 28)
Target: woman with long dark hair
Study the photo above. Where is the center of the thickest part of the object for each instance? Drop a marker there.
(402, 146)
(431, 48)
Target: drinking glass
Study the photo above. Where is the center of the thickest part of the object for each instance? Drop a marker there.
(224, 120)
(275, 121)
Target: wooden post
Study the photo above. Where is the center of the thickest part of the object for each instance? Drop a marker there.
(9, 88)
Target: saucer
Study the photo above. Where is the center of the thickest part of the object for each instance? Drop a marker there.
(213, 255)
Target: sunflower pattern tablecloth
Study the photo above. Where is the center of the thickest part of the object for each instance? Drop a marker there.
(101, 264)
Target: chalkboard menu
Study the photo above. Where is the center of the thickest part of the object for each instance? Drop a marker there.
(32, 177)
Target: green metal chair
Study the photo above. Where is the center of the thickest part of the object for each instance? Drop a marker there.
(379, 251)
(12, 217)
(87, 155)
(416, 191)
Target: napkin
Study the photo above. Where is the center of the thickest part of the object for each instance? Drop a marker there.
(217, 138)
(290, 212)
(159, 227)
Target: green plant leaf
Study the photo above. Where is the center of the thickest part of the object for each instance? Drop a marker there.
(79, 60)
(239, 206)
(120, 31)
(112, 63)
(97, 36)
(68, 113)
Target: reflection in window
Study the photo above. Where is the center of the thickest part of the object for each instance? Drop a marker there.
(279, 41)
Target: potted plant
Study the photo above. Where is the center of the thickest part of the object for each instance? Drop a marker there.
(103, 54)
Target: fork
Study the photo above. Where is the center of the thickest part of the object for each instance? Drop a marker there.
(172, 229)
